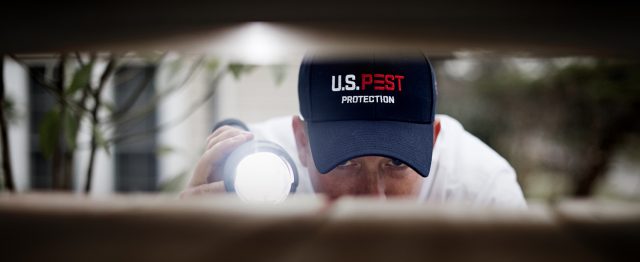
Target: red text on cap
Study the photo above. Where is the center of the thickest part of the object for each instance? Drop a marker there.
(380, 82)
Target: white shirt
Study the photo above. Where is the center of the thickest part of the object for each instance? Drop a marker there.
(463, 168)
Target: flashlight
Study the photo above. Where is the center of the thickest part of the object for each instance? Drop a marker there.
(260, 171)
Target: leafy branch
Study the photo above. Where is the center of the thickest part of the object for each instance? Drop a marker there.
(58, 131)
(94, 117)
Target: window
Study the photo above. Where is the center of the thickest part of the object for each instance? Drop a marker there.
(41, 102)
(135, 157)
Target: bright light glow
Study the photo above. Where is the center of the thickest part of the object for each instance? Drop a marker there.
(259, 43)
(530, 68)
(461, 68)
(263, 178)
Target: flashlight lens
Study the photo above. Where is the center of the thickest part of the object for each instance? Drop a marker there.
(263, 177)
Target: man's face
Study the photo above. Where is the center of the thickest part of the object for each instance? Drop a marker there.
(367, 176)
(364, 176)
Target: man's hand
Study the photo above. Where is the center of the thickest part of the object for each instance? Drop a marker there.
(219, 145)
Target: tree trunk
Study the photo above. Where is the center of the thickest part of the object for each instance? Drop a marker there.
(6, 155)
(94, 119)
(596, 160)
(62, 158)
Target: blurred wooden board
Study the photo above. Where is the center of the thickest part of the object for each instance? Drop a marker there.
(59, 227)
(556, 28)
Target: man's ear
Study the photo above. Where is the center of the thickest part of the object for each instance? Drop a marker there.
(302, 140)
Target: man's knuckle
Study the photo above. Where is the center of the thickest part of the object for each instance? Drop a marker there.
(185, 194)
(224, 129)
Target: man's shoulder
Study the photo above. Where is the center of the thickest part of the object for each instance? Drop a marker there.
(473, 167)
(467, 148)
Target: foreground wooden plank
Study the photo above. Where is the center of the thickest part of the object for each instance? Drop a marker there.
(158, 228)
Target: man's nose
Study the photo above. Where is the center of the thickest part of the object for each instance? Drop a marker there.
(373, 184)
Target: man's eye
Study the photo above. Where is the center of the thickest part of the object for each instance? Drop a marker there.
(345, 163)
(396, 163)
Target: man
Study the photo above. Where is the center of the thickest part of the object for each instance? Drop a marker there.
(370, 129)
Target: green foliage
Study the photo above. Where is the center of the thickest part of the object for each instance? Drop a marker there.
(164, 150)
(59, 127)
(605, 84)
(175, 66)
(81, 78)
(577, 100)
(71, 125)
(279, 73)
(239, 69)
(100, 140)
(49, 132)
(212, 65)
(50, 127)
(576, 114)
(9, 108)
(110, 106)
(598, 99)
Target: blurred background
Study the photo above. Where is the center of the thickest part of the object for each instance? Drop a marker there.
(116, 98)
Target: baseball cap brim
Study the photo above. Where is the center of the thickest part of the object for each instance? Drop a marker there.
(334, 142)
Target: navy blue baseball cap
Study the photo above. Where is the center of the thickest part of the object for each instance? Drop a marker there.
(369, 105)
